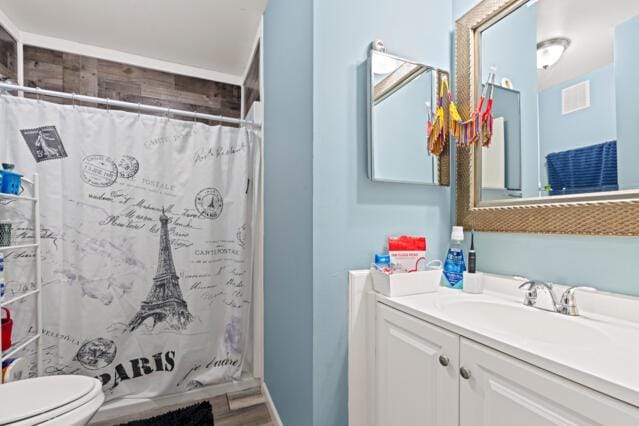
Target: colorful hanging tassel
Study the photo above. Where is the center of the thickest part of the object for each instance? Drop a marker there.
(456, 127)
(479, 125)
(487, 116)
(476, 118)
(437, 131)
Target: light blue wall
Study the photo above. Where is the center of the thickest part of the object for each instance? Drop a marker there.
(288, 197)
(589, 126)
(510, 46)
(603, 262)
(626, 66)
(399, 133)
(352, 215)
(585, 127)
(460, 7)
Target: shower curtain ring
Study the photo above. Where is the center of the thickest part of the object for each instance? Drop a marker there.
(139, 109)
(73, 99)
(168, 111)
(37, 89)
(108, 105)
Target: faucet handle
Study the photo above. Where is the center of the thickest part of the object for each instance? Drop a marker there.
(569, 302)
(526, 285)
(533, 284)
(531, 292)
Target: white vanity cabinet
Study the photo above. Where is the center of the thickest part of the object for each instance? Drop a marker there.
(416, 372)
(472, 384)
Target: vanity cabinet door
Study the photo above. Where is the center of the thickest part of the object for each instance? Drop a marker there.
(416, 368)
(504, 391)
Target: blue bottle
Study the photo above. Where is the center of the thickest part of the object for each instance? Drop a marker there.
(454, 265)
(9, 180)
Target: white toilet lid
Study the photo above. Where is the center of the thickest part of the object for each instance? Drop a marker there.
(33, 397)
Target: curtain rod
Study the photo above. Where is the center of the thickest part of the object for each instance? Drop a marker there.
(123, 104)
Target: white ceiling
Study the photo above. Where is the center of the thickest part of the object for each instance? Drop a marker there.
(589, 24)
(216, 35)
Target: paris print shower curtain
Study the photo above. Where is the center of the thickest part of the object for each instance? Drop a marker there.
(147, 230)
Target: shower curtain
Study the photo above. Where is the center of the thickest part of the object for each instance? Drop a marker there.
(147, 244)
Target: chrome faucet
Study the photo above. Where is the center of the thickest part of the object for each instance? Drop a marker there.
(531, 286)
(567, 305)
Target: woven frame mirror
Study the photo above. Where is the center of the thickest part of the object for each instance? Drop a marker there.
(615, 213)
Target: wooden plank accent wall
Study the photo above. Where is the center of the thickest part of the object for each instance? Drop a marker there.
(8, 55)
(55, 70)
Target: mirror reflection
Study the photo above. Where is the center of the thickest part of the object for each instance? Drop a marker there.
(401, 100)
(566, 116)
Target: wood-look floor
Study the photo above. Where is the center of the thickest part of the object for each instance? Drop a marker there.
(244, 408)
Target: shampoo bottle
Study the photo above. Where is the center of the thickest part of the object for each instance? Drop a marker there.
(454, 265)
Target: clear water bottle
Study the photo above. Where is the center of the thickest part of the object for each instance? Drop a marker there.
(454, 265)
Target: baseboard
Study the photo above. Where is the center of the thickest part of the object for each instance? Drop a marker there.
(275, 416)
(129, 406)
(361, 341)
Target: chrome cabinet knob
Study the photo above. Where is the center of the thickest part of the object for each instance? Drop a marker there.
(465, 373)
(443, 360)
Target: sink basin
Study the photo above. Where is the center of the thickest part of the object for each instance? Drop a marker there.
(526, 322)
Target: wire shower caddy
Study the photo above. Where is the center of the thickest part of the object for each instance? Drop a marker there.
(37, 291)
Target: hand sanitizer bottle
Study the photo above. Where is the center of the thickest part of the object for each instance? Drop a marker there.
(454, 265)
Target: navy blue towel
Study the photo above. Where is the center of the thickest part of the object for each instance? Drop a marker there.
(588, 169)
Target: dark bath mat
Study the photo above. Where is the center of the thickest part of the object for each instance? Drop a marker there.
(196, 415)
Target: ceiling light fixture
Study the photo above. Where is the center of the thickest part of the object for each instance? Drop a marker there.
(550, 51)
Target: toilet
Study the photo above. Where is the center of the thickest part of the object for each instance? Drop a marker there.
(53, 400)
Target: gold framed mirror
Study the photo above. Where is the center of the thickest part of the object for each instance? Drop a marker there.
(610, 212)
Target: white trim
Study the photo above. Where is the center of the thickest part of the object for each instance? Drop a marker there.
(258, 272)
(361, 344)
(19, 64)
(68, 46)
(8, 25)
(258, 276)
(14, 32)
(272, 409)
(242, 101)
(129, 406)
(256, 43)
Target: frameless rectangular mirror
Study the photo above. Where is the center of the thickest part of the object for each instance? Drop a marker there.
(565, 100)
(402, 95)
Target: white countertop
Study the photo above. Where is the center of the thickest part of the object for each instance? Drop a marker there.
(605, 357)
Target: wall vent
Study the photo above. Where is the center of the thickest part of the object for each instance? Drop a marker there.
(575, 98)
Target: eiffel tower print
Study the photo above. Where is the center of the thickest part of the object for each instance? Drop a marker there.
(164, 303)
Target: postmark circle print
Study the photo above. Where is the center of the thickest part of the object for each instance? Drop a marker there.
(209, 203)
(99, 170)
